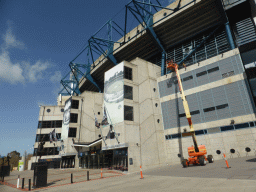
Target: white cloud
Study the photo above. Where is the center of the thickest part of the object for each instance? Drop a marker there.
(9, 71)
(35, 72)
(11, 41)
(56, 77)
(22, 71)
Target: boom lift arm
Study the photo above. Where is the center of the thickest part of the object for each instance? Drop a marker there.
(174, 67)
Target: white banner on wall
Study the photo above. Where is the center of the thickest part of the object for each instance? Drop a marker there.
(114, 94)
(66, 119)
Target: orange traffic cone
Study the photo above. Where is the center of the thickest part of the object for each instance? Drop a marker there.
(141, 175)
(226, 160)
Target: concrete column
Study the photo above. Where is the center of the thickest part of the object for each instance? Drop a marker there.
(229, 36)
(76, 162)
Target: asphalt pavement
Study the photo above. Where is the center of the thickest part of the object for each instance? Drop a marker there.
(215, 177)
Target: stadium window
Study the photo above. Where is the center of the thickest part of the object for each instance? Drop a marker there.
(58, 135)
(73, 117)
(209, 109)
(221, 106)
(42, 137)
(128, 92)
(187, 78)
(37, 138)
(227, 128)
(182, 115)
(72, 132)
(166, 137)
(128, 113)
(56, 151)
(50, 124)
(201, 73)
(58, 124)
(128, 73)
(39, 124)
(46, 124)
(213, 69)
(75, 104)
(178, 135)
(251, 124)
(195, 112)
(200, 132)
(35, 152)
(241, 126)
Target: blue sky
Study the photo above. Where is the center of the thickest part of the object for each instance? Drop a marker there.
(38, 39)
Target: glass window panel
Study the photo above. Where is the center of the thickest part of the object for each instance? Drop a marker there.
(227, 128)
(128, 92)
(128, 73)
(201, 73)
(241, 126)
(72, 132)
(75, 104)
(128, 113)
(73, 117)
(209, 109)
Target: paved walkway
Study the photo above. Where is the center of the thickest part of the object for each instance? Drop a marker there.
(241, 168)
(211, 178)
(59, 177)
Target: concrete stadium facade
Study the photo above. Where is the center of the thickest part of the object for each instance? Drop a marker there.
(218, 82)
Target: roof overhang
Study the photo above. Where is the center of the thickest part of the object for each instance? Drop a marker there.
(172, 30)
(92, 144)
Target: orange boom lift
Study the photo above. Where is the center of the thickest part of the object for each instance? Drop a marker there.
(196, 153)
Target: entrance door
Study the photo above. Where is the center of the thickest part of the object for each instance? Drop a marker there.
(120, 159)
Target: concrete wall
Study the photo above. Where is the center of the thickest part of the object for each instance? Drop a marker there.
(89, 103)
(224, 141)
(144, 136)
(54, 115)
(151, 133)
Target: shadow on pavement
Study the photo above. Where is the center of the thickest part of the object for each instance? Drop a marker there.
(251, 160)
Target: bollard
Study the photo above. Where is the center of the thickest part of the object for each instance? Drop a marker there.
(226, 160)
(88, 176)
(71, 177)
(101, 173)
(22, 185)
(29, 184)
(141, 175)
(18, 182)
(3, 178)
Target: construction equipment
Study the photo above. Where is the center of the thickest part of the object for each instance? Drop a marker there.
(196, 153)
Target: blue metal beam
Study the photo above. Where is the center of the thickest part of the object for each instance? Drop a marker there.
(143, 13)
(229, 35)
(227, 26)
(86, 74)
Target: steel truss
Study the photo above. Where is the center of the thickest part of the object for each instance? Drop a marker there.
(111, 36)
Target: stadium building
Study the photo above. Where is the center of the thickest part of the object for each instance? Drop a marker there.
(128, 108)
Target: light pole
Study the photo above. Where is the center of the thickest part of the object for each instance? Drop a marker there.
(39, 146)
